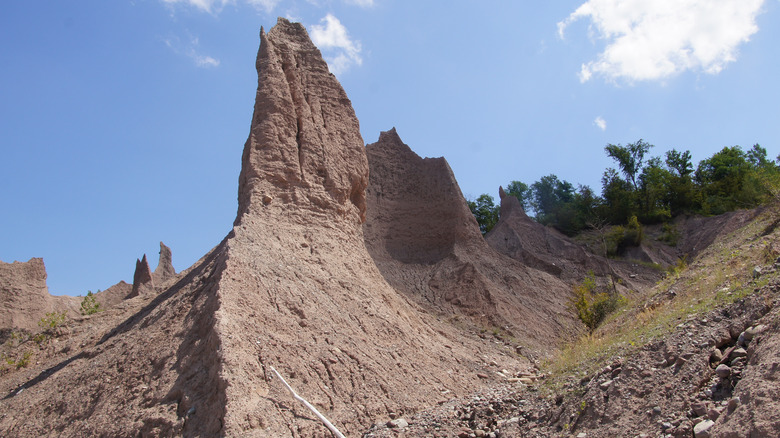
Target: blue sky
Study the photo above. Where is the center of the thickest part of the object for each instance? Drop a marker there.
(122, 122)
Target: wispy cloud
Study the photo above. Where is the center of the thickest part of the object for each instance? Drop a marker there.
(361, 3)
(210, 6)
(215, 6)
(651, 40)
(266, 5)
(339, 49)
(192, 51)
(600, 123)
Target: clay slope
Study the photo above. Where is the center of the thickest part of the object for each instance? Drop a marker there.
(292, 286)
(535, 245)
(24, 296)
(427, 244)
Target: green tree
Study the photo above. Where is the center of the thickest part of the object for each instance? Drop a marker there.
(756, 156)
(549, 194)
(681, 193)
(721, 179)
(89, 304)
(653, 190)
(485, 212)
(629, 158)
(618, 197)
(679, 162)
(522, 192)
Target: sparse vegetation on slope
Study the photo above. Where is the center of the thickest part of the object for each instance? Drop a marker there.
(723, 274)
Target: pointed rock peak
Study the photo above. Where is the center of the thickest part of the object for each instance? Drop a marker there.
(304, 150)
(390, 142)
(390, 136)
(142, 278)
(165, 269)
(509, 204)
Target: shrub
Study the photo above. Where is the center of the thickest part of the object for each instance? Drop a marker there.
(89, 305)
(21, 362)
(634, 233)
(52, 320)
(670, 235)
(593, 305)
(614, 239)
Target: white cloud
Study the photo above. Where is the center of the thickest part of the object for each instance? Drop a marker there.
(191, 51)
(651, 40)
(332, 38)
(204, 61)
(361, 3)
(210, 6)
(600, 123)
(215, 6)
(266, 5)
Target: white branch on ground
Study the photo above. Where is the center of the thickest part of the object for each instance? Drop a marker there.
(322, 418)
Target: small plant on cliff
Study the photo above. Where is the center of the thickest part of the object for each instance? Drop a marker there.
(89, 305)
(52, 320)
(49, 324)
(20, 362)
(593, 305)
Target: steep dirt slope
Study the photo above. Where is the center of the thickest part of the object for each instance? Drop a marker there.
(535, 245)
(698, 357)
(292, 286)
(427, 244)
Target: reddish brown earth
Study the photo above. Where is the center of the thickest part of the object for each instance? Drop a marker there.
(360, 274)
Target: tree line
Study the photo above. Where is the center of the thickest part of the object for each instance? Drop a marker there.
(644, 189)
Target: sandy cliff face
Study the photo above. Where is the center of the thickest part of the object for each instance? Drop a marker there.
(299, 291)
(427, 244)
(24, 296)
(292, 286)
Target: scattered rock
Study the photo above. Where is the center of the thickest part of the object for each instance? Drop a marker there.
(737, 353)
(702, 430)
(699, 409)
(723, 371)
(398, 423)
(733, 404)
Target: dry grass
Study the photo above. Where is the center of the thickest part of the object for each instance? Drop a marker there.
(721, 275)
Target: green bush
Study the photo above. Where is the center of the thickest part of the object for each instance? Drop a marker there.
(614, 239)
(89, 305)
(21, 362)
(634, 233)
(593, 305)
(670, 234)
(52, 320)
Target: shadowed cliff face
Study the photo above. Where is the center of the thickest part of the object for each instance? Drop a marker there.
(304, 150)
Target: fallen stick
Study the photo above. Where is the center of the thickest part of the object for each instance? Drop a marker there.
(322, 418)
